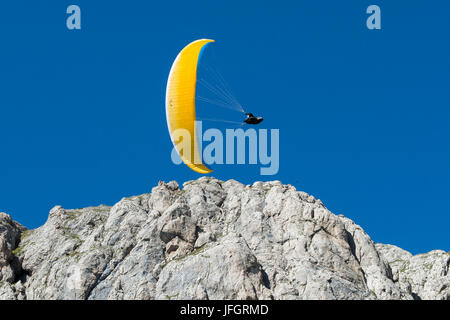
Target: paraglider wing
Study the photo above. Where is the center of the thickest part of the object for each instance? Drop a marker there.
(180, 104)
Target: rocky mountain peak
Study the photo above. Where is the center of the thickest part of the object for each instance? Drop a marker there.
(211, 239)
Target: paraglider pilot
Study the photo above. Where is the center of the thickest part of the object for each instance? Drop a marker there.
(251, 119)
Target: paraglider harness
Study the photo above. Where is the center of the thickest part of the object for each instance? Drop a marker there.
(251, 119)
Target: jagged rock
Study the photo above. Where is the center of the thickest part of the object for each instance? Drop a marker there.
(204, 238)
(176, 222)
(424, 276)
(10, 232)
(177, 247)
(210, 240)
(226, 270)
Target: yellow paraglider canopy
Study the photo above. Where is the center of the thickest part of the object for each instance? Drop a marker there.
(180, 105)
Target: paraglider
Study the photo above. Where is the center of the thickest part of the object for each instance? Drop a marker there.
(181, 107)
(180, 104)
(251, 119)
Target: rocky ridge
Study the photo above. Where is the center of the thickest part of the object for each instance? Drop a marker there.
(211, 240)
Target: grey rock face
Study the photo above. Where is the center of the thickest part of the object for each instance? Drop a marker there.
(10, 268)
(424, 276)
(210, 240)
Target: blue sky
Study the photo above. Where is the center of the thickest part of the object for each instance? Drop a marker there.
(363, 115)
